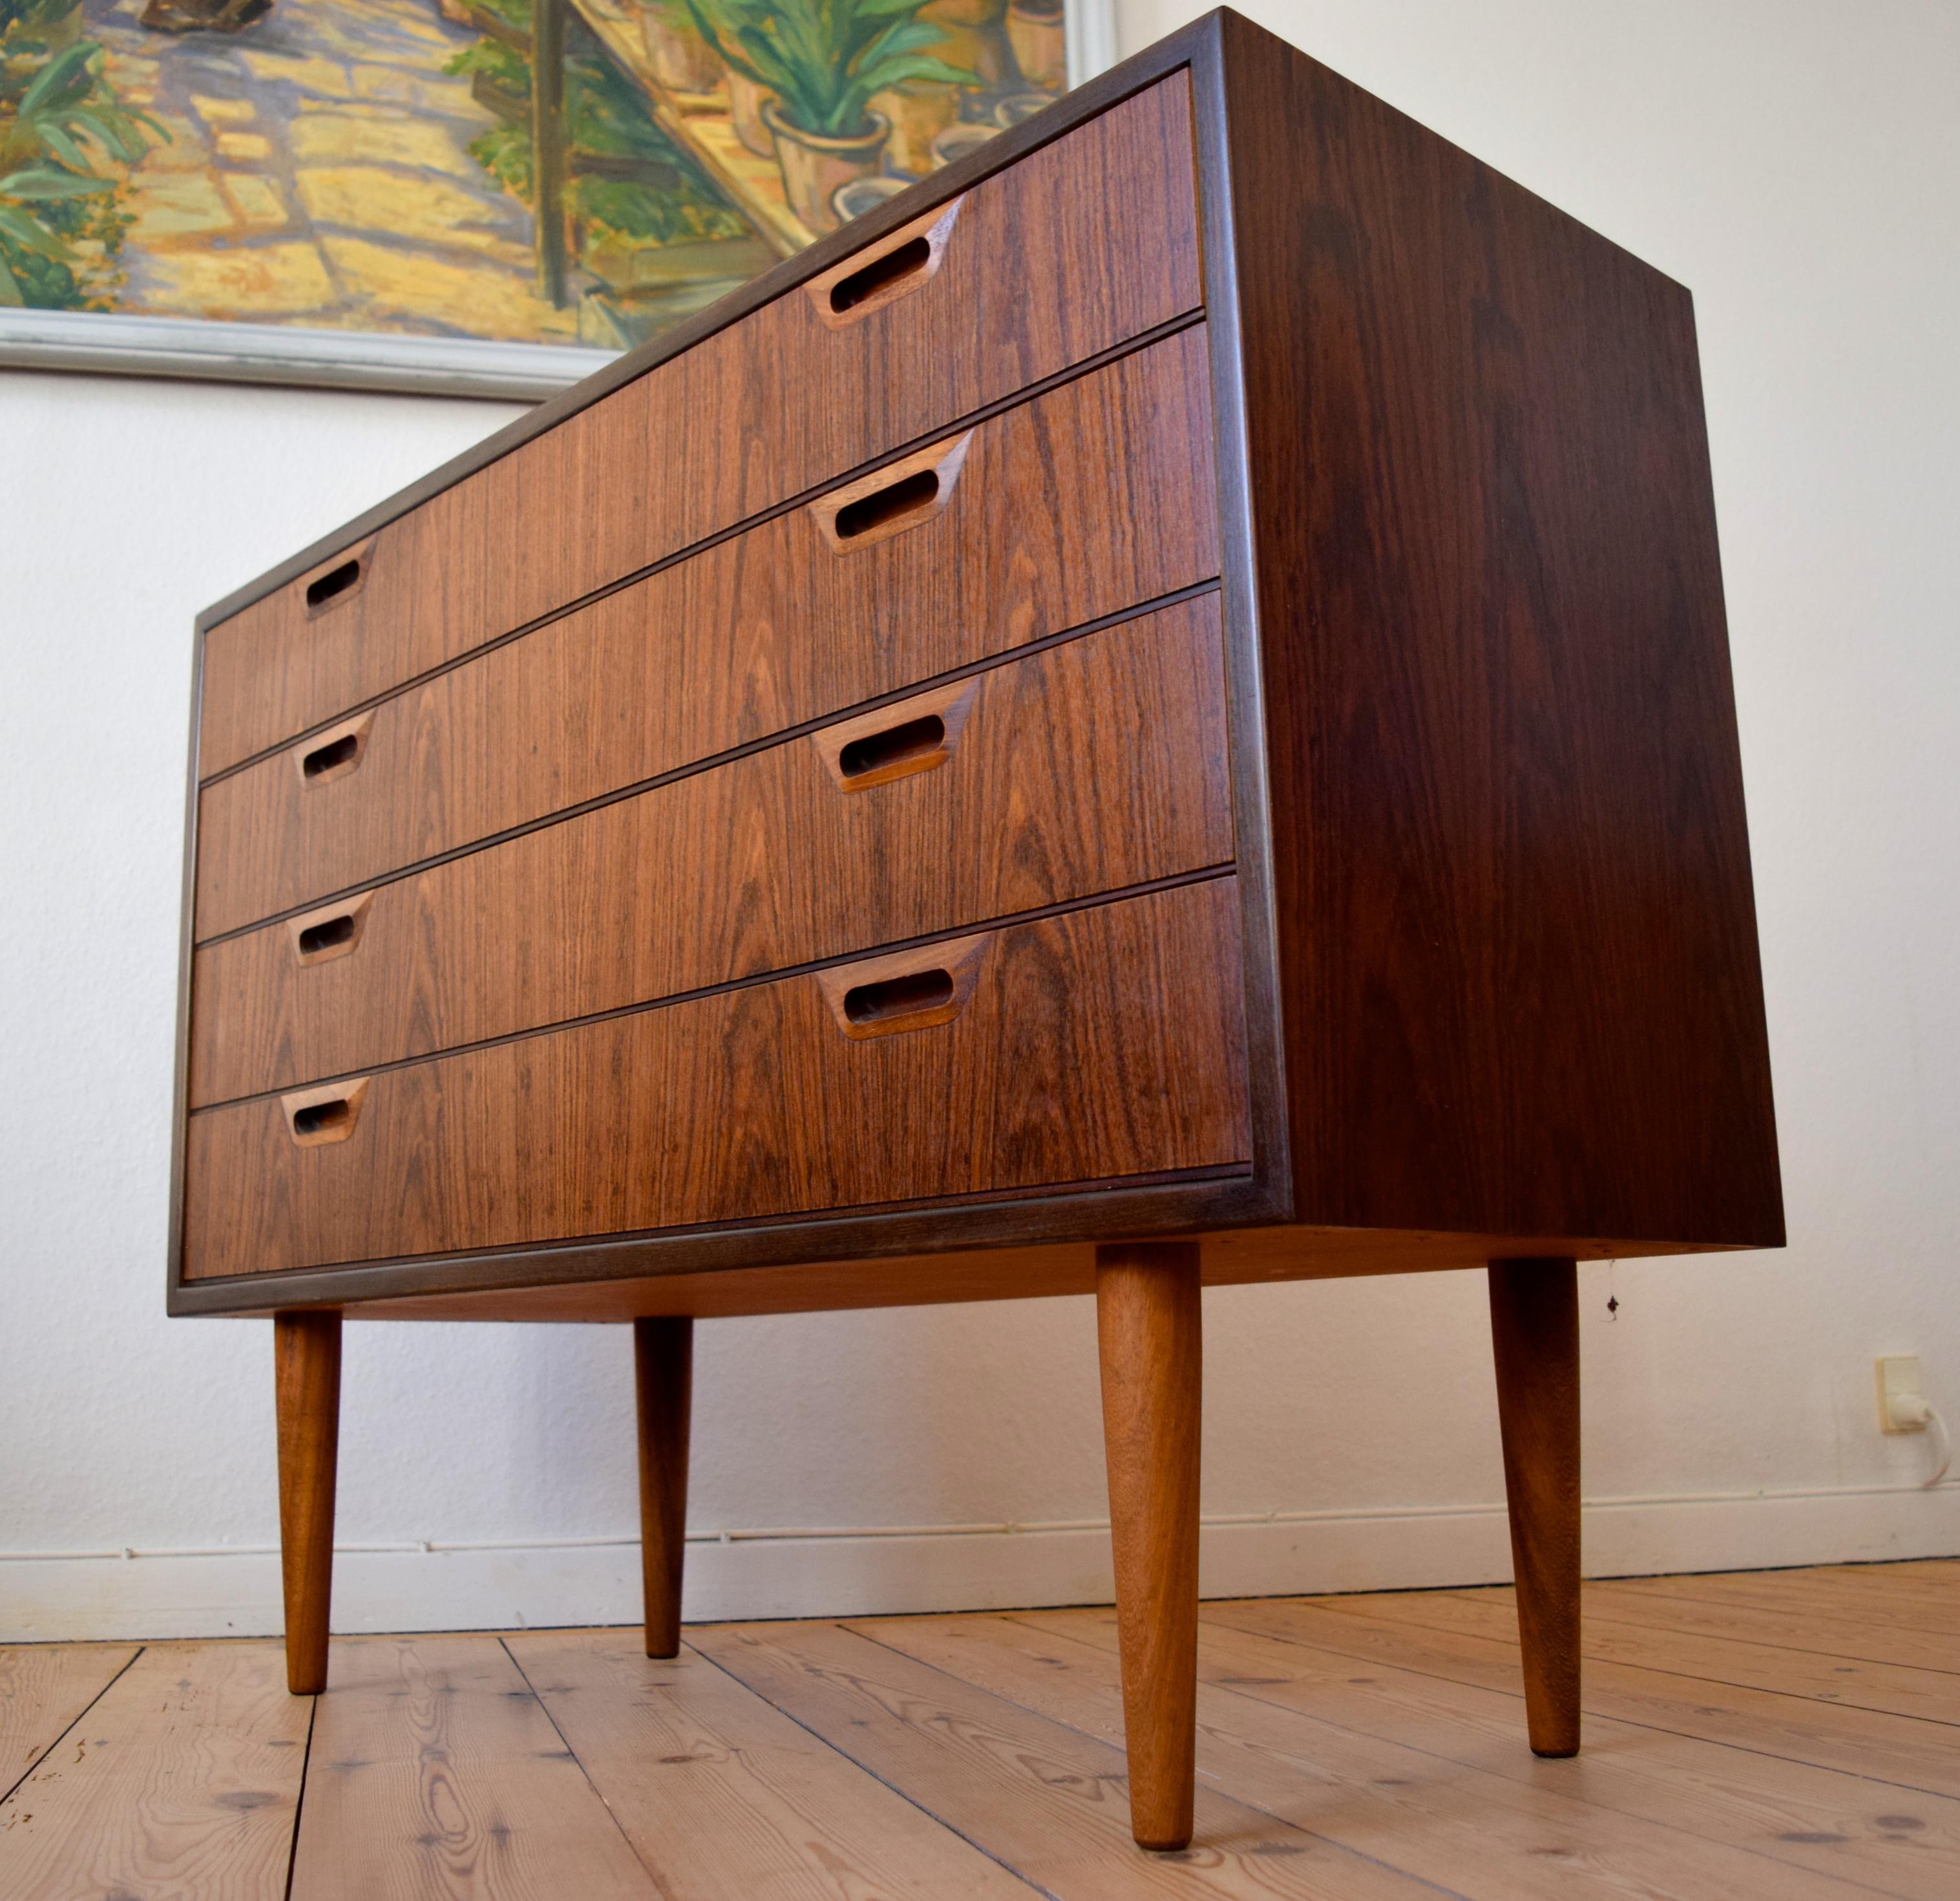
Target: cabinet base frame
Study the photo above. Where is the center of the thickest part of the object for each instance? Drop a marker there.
(1149, 1324)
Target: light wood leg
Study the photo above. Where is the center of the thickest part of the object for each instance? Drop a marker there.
(1534, 1329)
(663, 1379)
(1147, 1304)
(306, 1361)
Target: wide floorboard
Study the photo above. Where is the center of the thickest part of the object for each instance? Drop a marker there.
(1794, 1734)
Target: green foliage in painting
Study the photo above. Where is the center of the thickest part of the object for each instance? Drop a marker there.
(64, 141)
(640, 189)
(504, 69)
(824, 59)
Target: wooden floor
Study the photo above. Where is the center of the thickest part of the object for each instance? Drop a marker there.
(1790, 1733)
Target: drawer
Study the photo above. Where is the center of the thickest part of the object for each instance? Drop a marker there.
(1095, 1045)
(1079, 504)
(1093, 765)
(1086, 243)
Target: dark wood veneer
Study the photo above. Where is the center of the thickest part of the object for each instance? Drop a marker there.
(1517, 958)
(1065, 1064)
(1077, 505)
(1093, 765)
(1385, 887)
(1090, 241)
(1483, 758)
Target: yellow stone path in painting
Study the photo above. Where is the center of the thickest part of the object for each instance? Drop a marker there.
(317, 173)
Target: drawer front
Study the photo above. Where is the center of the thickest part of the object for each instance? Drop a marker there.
(1093, 765)
(1079, 504)
(1101, 1043)
(1088, 242)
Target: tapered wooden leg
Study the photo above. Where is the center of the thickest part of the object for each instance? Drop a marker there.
(306, 1362)
(663, 1378)
(1147, 1322)
(1534, 1328)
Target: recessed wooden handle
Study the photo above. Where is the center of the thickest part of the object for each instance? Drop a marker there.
(337, 582)
(911, 736)
(334, 753)
(331, 931)
(898, 263)
(909, 990)
(901, 496)
(316, 1116)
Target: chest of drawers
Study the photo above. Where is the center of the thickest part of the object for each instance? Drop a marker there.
(1156, 710)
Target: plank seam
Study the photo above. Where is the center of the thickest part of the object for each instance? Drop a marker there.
(911, 1801)
(1689, 1676)
(1224, 1795)
(1624, 1816)
(598, 1794)
(299, 1806)
(7, 1794)
(1205, 1614)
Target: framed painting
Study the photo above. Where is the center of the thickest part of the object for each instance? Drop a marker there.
(347, 191)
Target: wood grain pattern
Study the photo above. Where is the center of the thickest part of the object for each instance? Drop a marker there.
(182, 1779)
(1487, 811)
(1092, 766)
(726, 1799)
(306, 1359)
(1473, 1831)
(1926, 1695)
(1534, 1335)
(1658, 1691)
(434, 1771)
(812, 1268)
(1148, 1317)
(1822, 1820)
(663, 1395)
(1517, 944)
(1098, 1043)
(1085, 243)
(1872, 1594)
(1764, 1800)
(43, 1687)
(1081, 503)
(1684, 1609)
(1346, 1747)
(1045, 1798)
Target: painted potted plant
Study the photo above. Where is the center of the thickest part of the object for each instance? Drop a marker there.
(974, 33)
(1041, 47)
(823, 61)
(714, 19)
(681, 55)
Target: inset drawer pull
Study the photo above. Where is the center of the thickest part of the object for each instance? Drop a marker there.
(906, 496)
(913, 735)
(902, 262)
(317, 938)
(321, 936)
(316, 1116)
(899, 996)
(901, 496)
(336, 580)
(909, 259)
(912, 990)
(896, 745)
(322, 759)
(332, 586)
(335, 753)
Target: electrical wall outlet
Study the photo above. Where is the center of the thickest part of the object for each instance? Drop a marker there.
(1898, 1380)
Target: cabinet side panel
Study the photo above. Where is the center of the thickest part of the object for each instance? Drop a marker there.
(1519, 973)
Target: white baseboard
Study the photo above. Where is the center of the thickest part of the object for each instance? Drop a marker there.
(48, 1596)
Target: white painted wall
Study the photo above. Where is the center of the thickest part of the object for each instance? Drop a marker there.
(1795, 165)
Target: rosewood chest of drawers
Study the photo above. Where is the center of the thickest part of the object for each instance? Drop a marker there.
(1155, 711)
